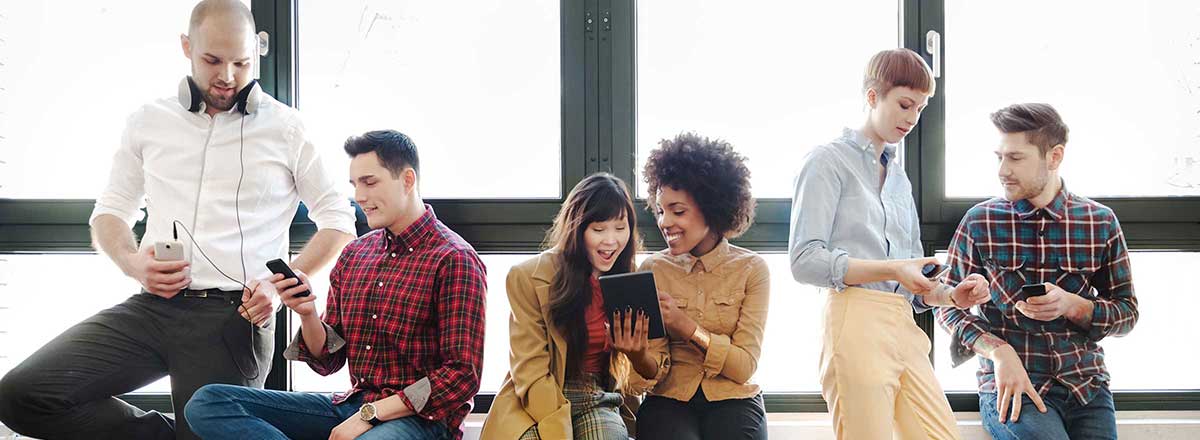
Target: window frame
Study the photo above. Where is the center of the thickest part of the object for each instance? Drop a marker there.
(598, 133)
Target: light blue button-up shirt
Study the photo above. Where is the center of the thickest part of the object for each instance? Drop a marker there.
(839, 211)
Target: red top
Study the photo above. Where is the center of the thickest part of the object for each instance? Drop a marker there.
(595, 359)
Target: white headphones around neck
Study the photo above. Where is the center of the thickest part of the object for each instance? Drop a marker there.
(246, 102)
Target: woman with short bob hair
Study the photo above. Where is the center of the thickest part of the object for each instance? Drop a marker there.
(854, 230)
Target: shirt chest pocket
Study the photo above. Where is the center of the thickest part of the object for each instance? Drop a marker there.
(1075, 275)
(724, 309)
(1006, 275)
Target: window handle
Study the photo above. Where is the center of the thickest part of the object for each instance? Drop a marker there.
(933, 47)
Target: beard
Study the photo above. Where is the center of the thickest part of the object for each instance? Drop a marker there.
(219, 102)
(1032, 188)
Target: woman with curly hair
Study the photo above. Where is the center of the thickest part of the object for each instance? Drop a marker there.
(568, 377)
(713, 295)
(855, 231)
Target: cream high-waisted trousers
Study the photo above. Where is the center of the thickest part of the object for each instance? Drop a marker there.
(875, 371)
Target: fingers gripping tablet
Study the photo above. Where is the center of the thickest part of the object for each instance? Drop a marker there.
(634, 291)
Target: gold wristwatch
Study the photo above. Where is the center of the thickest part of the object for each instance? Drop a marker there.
(368, 414)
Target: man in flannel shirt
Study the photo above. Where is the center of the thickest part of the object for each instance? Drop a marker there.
(1041, 369)
(405, 309)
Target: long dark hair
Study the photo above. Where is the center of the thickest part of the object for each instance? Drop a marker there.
(597, 198)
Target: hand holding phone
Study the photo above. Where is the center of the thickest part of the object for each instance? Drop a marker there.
(168, 250)
(1032, 290)
(277, 266)
(934, 271)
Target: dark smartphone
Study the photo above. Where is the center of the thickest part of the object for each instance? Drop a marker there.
(1032, 290)
(933, 271)
(278, 266)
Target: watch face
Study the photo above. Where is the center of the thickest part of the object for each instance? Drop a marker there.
(367, 412)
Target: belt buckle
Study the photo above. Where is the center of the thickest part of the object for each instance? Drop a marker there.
(196, 294)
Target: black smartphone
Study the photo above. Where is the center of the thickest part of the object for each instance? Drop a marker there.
(934, 271)
(278, 266)
(1032, 290)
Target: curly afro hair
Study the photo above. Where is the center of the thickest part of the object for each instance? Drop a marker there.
(711, 172)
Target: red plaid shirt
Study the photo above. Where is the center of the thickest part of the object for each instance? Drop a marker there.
(407, 312)
(1074, 243)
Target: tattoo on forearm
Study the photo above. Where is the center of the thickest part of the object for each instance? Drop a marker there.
(987, 343)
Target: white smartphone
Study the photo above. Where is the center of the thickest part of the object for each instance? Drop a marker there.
(168, 251)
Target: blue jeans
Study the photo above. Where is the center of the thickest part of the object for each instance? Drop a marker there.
(1065, 417)
(234, 412)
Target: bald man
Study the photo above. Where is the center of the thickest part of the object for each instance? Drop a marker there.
(222, 168)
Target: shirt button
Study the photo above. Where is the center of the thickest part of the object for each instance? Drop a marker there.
(381, 284)
(393, 255)
(410, 249)
(368, 347)
(374, 316)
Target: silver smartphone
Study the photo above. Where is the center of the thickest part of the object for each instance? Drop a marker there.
(168, 250)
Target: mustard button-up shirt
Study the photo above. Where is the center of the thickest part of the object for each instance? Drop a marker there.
(726, 292)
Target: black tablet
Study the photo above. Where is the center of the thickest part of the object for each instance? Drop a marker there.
(635, 291)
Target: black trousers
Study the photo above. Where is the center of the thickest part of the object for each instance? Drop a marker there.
(699, 419)
(65, 390)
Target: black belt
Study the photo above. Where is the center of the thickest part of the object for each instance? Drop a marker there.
(225, 295)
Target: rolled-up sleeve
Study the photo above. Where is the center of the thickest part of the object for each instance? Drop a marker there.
(1115, 309)
(736, 356)
(462, 293)
(965, 328)
(817, 188)
(122, 197)
(332, 357)
(328, 208)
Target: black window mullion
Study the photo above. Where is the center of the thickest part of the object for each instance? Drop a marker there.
(619, 22)
(276, 76)
(920, 17)
(575, 36)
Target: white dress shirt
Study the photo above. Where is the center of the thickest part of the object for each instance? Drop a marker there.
(185, 166)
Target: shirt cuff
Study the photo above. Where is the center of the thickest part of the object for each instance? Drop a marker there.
(298, 351)
(839, 263)
(959, 351)
(718, 351)
(918, 303)
(337, 220)
(416, 396)
(130, 218)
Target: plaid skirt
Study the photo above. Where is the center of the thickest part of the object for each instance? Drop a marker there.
(595, 413)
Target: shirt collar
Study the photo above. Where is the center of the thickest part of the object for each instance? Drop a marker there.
(412, 236)
(708, 262)
(1057, 209)
(859, 140)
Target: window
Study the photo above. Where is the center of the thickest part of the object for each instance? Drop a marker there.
(70, 75)
(792, 344)
(34, 308)
(476, 88)
(495, 356)
(1142, 360)
(775, 79)
(1125, 78)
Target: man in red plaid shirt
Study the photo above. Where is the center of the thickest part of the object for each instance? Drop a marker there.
(1041, 372)
(405, 310)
